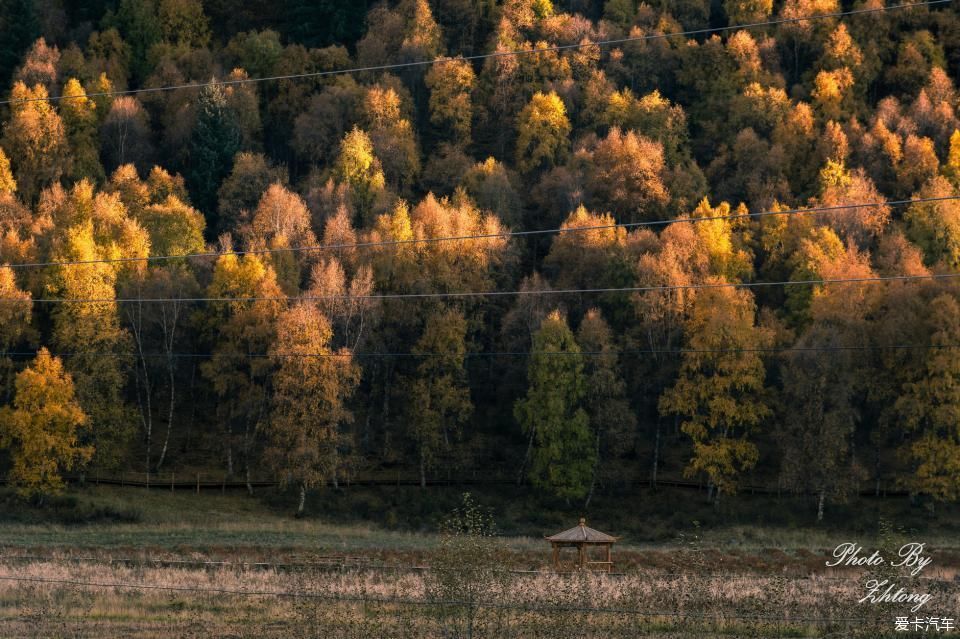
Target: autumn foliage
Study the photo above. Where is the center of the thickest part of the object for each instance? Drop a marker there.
(709, 258)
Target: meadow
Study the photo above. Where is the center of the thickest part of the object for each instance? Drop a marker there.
(231, 566)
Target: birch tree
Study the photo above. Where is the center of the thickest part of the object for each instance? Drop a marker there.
(312, 385)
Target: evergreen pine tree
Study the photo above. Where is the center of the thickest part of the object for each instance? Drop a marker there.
(18, 29)
(214, 142)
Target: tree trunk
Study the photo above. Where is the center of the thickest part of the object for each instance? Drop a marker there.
(796, 58)
(365, 431)
(656, 455)
(303, 500)
(593, 479)
(365, 435)
(386, 409)
(8, 377)
(526, 458)
(146, 411)
(122, 143)
(820, 501)
(169, 326)
(229, 447)
(248, 440)
(193, 408)
(423, 471)
(166, 437)
(876, 467)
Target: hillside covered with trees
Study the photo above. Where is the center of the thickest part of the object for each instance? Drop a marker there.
(489, 248)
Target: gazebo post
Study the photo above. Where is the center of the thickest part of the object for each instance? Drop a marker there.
(556, 557)
(583, 563)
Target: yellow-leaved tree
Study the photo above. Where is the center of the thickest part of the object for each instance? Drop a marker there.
(929, 408)
(89, 227)
(245, 324)
(8, 185)
(950, 169)
(747, 11)
(590, 257)
(450, 82)
(14, 321)
(720, 391)
(543, 132)
(311, 387)
(79, 115)
(359, 169)
(35, 140)
(384, 117)
(40, 430)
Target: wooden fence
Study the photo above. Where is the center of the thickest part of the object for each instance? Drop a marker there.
(206, 482)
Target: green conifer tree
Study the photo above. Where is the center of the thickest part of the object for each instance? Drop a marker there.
(213, 144)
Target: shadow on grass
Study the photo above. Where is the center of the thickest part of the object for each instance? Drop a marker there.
(639, 515)
(66, 510)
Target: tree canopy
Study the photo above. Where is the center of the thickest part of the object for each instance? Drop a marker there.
(307, 241)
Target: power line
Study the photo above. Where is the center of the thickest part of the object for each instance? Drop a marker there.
(484, 56)
(369, 564)
(484, 354)
(469, 294)
(422, 602)
(487, 236)
(341, 562)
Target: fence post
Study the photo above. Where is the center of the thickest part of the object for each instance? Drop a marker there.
(173, 476)
(223, 486)
(198, 483)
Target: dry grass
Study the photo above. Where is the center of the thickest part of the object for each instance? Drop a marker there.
(362, 603)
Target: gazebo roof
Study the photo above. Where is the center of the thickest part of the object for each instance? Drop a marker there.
(582, 534)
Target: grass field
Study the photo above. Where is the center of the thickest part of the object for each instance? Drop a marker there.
(136, 570)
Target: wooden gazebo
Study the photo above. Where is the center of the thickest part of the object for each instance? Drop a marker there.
(585, 540)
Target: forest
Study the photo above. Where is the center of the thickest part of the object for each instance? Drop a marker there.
(572, 244)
